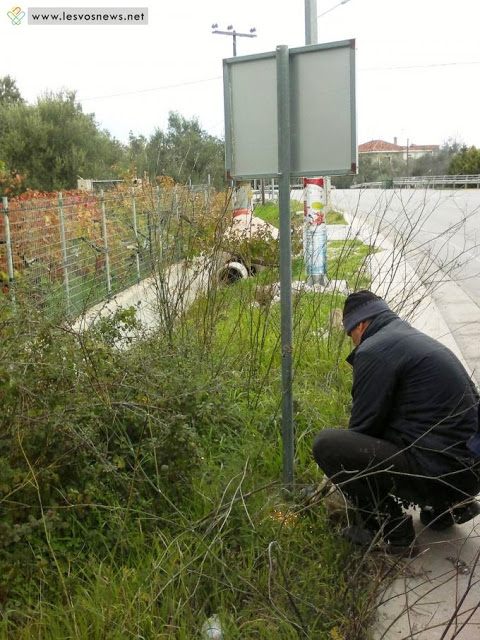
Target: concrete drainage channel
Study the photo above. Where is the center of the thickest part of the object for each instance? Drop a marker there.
(183, 281)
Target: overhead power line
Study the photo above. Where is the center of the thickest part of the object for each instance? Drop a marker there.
(422, 66)
(192, 82)
(168, 86)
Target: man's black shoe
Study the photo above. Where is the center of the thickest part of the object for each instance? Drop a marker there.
(464, 513)
(443, 518)
(436, 519)
(358, 536)
(398, 534)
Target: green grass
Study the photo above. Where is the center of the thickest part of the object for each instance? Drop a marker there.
(335, 217)
(269, 212)
(348, 260)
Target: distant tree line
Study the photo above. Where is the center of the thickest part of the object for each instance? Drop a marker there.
(47, 145)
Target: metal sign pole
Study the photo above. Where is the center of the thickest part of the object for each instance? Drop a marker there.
(311, 29)
(291, 141)
(283, 113)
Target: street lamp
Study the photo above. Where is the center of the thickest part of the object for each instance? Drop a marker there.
(231, 32)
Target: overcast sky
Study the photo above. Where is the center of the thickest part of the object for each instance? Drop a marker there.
(418, 61)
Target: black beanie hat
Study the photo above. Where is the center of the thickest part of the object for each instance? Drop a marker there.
(360, 306)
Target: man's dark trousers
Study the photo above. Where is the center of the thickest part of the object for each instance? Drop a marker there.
(368, 469)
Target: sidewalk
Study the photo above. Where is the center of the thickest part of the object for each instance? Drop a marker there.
(435, 596)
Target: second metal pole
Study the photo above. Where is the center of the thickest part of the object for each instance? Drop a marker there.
(8, 243)
(135, 231)
(283, 112)
(63, 240)
(105, 245)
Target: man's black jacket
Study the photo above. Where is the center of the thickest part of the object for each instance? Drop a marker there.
(411, 390)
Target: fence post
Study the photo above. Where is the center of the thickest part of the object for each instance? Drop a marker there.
(158, 230)
(176, 210)
(137, 250)
(208, 190)
(175, 202)
(63, 241)
(105, 245)
(8, 243)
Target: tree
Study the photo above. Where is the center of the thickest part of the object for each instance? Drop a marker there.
(184, 151)
(53, 142)
(9, 93)
(466, 162)
(11, 183)
(135, 158)
(436, 164)
(375, 168)
(191, 152)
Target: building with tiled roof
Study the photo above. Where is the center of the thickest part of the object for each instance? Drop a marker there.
(392, 149)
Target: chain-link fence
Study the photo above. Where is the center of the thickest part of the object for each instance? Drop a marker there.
(68, 252)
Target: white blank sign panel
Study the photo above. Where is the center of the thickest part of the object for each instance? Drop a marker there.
(322, 112)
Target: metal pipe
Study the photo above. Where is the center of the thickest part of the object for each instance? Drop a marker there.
(158, 246)
(105, 245)
(8, 242)
(63, 240)
(311, 37)
(137, 251)
(283, 112)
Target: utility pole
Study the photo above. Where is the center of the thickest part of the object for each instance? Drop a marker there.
(316, 189)
(242, 191)
(314, 225)
(231, 32)
(311, 30)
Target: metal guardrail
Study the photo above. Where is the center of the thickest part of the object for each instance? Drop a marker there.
(423, 182)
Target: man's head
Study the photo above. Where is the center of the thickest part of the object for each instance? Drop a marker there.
(359, 309)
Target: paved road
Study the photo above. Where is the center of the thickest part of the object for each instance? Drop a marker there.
(441, 230)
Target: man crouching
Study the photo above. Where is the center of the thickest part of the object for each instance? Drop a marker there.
(413, 434)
